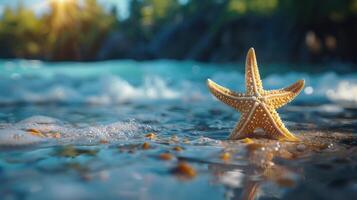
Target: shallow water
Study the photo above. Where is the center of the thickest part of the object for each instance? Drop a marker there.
(76, 131)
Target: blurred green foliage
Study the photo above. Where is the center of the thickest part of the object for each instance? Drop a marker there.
(21, 31)
(77, 31)
(259, 6)
(154, 13)
(68, 32)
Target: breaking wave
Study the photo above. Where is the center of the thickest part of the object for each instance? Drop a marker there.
(113, 82)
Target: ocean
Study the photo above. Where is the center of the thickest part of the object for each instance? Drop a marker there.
(75, 130)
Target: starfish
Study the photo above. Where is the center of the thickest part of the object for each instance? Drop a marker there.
(257, 106)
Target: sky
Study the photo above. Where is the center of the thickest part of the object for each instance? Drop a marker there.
(39, 6)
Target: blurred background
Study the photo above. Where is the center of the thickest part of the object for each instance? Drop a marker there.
(114, 51)
(304, 31)
(96, 72)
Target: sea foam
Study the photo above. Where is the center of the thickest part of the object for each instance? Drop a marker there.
(115, 82)
(19, 134)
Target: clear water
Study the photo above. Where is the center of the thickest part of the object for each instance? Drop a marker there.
(91, 120)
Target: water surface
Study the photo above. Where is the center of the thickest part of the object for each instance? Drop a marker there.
(76, 131)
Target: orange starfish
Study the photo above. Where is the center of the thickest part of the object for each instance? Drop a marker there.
(257, 106)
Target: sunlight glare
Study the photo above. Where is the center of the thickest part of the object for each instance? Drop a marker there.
(61, 1)
(63, 13)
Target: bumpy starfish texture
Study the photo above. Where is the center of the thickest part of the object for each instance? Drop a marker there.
(257, 106)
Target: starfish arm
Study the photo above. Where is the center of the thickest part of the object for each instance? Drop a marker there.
(250, 190)
(272, 124)
(243, 127)
(253, 83)
(278, 98)
(236, 100)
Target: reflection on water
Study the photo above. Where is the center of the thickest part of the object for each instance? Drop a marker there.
(278, 170)
(261, 176)
(93, 155)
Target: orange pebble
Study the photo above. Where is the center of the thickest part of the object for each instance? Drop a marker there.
(253, 147)
(165, 156)
(146, 145)
(53, 135)
(150, 135)
(225, 156)
(285, 182)
(35, 132)
(247, 140)
(177, 148)
(57, 135)
(102, 141)
(184, 169)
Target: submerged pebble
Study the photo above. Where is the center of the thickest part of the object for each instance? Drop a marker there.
(146, 145)
(71, 151)
(103, 141)
(286, 182)
(225, 156)
(184, 170)
(177, 148)
(165, 156)
(150, 135)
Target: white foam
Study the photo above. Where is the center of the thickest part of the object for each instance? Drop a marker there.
(112, 89)
(116, 82)
(15, 137)
(206, 141)
(17, 134)
(344, 94)
(233, 178)
(106, 89)
(340, 89)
